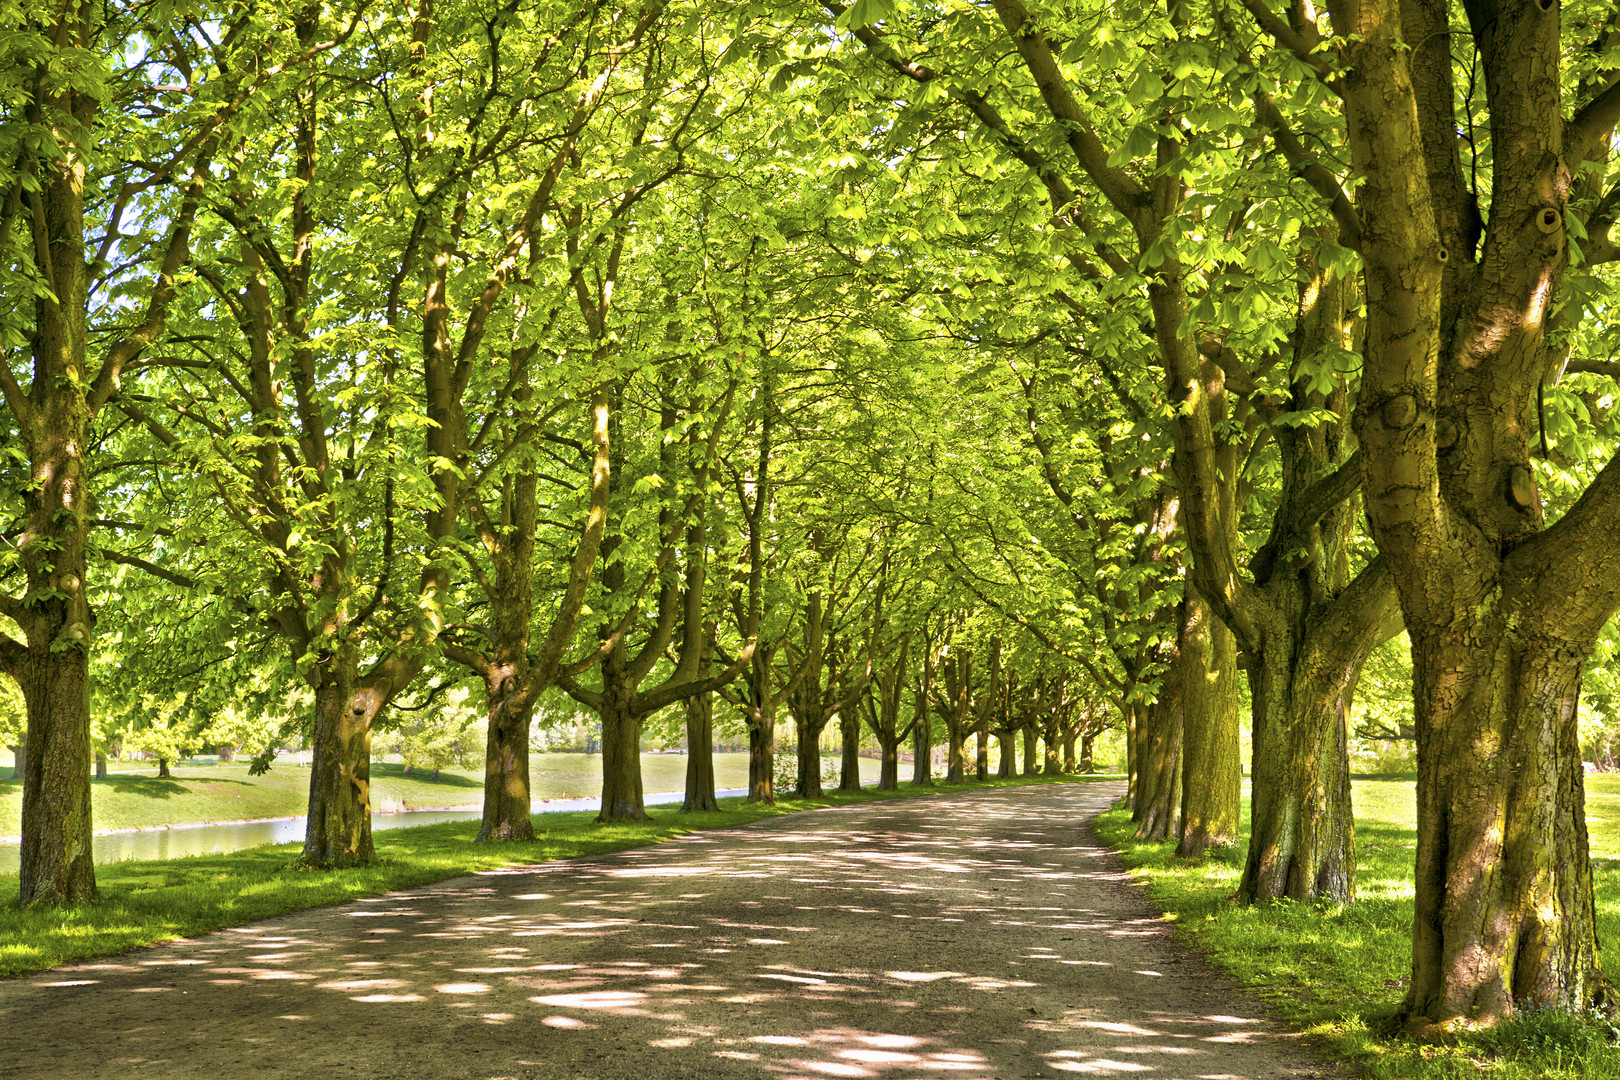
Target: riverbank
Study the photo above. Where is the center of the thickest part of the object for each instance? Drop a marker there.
(226, 793)
(147, 902)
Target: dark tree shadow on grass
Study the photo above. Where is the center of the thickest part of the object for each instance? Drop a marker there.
(150, 787)
(391, 771)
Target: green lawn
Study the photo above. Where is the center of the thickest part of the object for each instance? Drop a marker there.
(146, 902)
(133, 798)
(1338, 970)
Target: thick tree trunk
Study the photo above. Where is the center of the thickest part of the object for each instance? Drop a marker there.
(101, 766)
(163, 769)
(56, 858)
(1302, 835)
(1133, 748)
(762, 757)
(1069, 763)
(506, 757)
(922, 747)
(889, 775)
(956, 761)
(621, 764)
(1087, 765)
(1211, 759)
(700, 796)
(849, 766)
(338, 829)
(1007, 753)
(808, 726)
(1158, 790)
(981, 757)
(1032, 752)
(19, 761)
(1505, 911)
(1051, 739)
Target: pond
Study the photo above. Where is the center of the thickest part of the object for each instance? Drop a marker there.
(178, 841)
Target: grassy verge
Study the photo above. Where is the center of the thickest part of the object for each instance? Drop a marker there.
(1337, 970)
(147, 902)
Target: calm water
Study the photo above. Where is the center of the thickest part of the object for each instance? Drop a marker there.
(183, 840)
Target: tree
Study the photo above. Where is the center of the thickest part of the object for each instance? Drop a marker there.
(1463, 329)
(70, 157)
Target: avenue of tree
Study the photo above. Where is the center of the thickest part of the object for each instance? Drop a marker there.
(935, 373)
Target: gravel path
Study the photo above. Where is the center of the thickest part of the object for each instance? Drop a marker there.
(980, 935)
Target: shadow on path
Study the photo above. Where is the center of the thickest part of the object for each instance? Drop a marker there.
(980, 935)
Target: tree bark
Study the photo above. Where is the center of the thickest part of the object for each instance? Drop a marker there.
(56, 858)
(808, 721)
(849, 734)
(621, 764)
(1032, 751)
(1087, 765)
(956, 759)
(762, 757)
(338, 829)
(1007, 753)
(981, 756)
(1158, 791)
(506, 757)
(922, 742)
(700, 796)
(101, 766)
(1212, 761)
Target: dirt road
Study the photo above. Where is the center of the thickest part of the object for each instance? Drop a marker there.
(976, 936)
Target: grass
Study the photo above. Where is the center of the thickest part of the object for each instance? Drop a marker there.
(143, 903)
(131, 798)
(1337, 970)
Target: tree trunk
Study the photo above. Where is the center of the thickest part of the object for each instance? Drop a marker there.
(981, 758)
(762, 757)
(1052, 764)
(1212, 761)
(700, 796)
(621, 764)
(1069, 764)
(506, 757)
(1505, 911)
(889, 775)
(1158, 790)
(1133, 748)
(808, 725)
(922, 748)
(338, 829)
(56, 859)
(849, 731)
(956, 763)
(1007, 754)
(163, 769)
(101, 766)
(1032, 752)
(19, 761)
(1087, 765)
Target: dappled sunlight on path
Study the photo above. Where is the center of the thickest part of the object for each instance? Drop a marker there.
(979, 935)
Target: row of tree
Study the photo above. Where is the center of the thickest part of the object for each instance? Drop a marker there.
(1019, 368)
